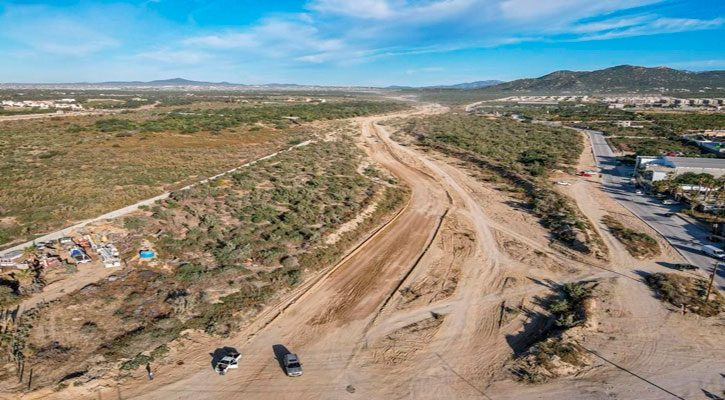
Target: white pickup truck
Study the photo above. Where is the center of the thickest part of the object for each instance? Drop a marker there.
(713, 251)
(230, 360)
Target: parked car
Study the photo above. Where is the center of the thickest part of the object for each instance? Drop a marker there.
(230, 360)
(670, 202)
(79, 255)
(669, 214)
(713, 251)
(563, 183)
(292, 365)
(639, 191)
(684, 267)
(715, 238)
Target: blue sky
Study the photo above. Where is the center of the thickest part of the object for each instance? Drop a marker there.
(351, 42)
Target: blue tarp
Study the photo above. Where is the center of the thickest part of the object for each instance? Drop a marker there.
(146, 253)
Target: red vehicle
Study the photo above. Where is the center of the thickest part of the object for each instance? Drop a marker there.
(85, 244)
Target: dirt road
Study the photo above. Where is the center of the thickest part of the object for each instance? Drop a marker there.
(419, 310)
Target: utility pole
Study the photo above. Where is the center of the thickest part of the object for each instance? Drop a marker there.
(712, 278)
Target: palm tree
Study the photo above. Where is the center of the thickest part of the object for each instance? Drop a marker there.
(30, 252)
(703, 181)
(669, 185)
(720, 194)
(710, 186)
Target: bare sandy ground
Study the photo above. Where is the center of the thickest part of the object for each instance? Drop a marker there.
(417, 311)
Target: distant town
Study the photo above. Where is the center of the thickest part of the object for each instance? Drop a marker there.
(61, 104)
(715, 104)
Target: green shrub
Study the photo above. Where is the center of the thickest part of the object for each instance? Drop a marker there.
(159, 351)
(134, 223)
(140, 359)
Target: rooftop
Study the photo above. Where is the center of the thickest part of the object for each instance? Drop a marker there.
(694, 162)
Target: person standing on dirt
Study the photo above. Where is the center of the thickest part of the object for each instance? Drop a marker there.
(148, 370)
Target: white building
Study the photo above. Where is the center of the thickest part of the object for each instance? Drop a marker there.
(653, 169)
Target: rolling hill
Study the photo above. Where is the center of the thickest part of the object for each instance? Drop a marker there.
(465, 85)
(623, 78)
(166, 82)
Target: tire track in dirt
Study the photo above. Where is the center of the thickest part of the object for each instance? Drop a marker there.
(299, 293)
(469, 327)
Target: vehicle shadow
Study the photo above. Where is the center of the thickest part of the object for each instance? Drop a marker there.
(279, 352)
(711, 396)
(668, 265)
(219, 353)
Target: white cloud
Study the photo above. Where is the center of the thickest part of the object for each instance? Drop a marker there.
(222, 41)
(346, 32)
(401, 11)
(426, 69)
(314, 58)
(698, 64)
(657, 26)
(47, 32)
(609, 24)
(272, 36)
(565, 9)
(175, 56)
(354, 8)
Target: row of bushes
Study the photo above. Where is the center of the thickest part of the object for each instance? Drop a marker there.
(638, 244)
(688, 292)
(192, 120)
(527, 148)
(555, 211)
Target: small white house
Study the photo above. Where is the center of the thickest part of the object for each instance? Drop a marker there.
(9, 259)
(109, 256)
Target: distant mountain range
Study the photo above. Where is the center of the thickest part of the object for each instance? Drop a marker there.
(166, 82)
(186, 82)
(465, 86)
(619, 79)
(159, 85)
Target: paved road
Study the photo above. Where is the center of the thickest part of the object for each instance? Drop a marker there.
(684, 236)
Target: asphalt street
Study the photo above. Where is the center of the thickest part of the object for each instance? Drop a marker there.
(686, 237)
